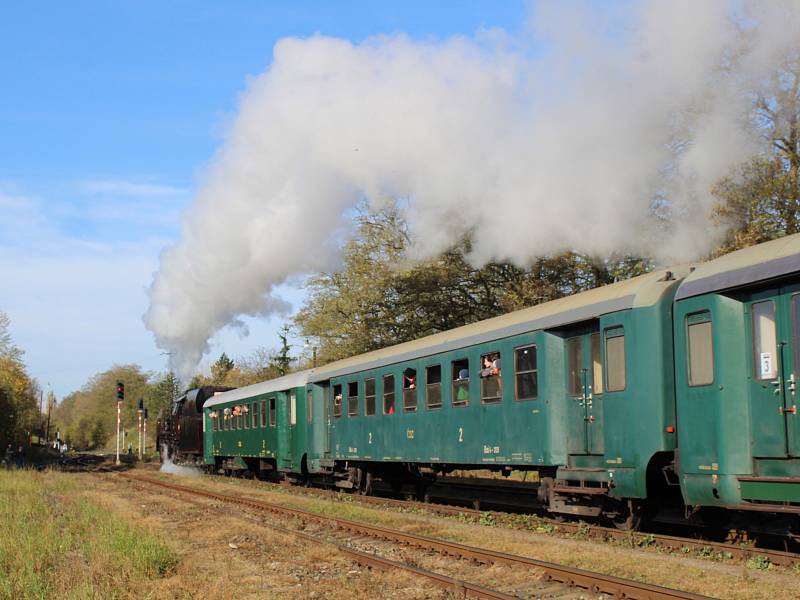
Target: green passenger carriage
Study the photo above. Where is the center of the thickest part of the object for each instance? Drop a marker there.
(737, 328)
(675, 388)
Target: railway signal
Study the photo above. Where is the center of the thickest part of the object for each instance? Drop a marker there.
(140, 411)
(120, 398)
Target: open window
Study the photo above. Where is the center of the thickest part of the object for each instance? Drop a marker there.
(245, 416)
(526, 373)
(700, 349)
(337, 400)
(410, 390)
(491, 378)
(254, 414)
(352, 399)
(460, 382)
(272, 419)
(433, 386)
(615, 359)
(369, 396)
(388, 394)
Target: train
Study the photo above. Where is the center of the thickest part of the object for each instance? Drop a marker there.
(675, 390)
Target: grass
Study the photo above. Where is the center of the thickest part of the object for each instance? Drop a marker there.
(57, 542)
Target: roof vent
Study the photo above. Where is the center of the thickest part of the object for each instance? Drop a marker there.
(668, 276)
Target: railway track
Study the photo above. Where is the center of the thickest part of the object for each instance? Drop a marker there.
(585, 530)
(559, 578)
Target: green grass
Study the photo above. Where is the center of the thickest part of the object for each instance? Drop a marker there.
(57, 542)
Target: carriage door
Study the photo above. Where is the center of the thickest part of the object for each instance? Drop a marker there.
(584, 391)
(285, 428)
(774, 328)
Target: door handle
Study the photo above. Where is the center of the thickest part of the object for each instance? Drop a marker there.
(792, 383)
(792, 410)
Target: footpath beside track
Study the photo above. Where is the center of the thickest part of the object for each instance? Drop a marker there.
(595, 583)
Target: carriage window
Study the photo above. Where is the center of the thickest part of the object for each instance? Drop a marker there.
(764, 340)
(527, 384)
(337, 400)
(701, 349)
(213, 422)
(272, 412)
(309, 407)
(796, 331)
(254, 414)
(491, 382)
(263, 413)
(615, 359)
(245, 416)
(461, 382)
(292, 409)
(574, 366)
(388, 394)
(352, 399)
(410, 389)
(597, 363)
(433, 386)
(239, 418)
(369, 396)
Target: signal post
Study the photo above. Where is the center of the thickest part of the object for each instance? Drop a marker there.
(120, 399)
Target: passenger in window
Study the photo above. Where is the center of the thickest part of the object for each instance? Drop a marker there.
(391, 410)
(463, 374)
(411, 382)
(491, 365)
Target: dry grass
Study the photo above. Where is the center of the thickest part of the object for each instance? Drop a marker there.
(59, 542)
(732, 580)
(225, 554)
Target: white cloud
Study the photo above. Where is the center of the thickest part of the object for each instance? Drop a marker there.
(122, 187)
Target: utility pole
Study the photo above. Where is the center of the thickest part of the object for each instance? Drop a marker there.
(51, 397)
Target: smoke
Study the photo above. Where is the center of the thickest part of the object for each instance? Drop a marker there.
(564, 137)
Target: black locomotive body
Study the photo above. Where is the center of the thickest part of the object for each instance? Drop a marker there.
(180, 433)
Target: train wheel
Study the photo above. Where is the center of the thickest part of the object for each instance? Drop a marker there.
(626, 515)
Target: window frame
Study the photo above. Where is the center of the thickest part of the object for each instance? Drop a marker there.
(391, 391)
(498, 378)
(428, 385)
(693, 319)
(610, 333)
(517, 373)
(337, 414)
(456, 383)
(263, 413)
(352, 412)
(367, 397)
(273, 411)
(414, 395)
(756, 359)
(292, 408)
(309, 406)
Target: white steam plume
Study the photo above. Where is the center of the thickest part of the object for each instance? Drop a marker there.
(560, 141)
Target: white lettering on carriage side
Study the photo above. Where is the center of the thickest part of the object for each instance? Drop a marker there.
(766, 364)
(460, 434)
(491, 449)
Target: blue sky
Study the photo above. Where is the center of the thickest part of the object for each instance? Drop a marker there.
(108, 114)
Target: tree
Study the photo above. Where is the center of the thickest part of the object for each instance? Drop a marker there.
(282, 360)
(761, 200)
(221, 368)
(164, 390)
(379, 298)
(19, 408)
